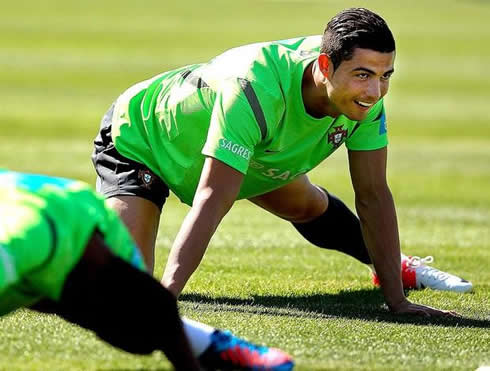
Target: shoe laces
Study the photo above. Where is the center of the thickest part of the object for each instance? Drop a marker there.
(430, 272)
(417, 261)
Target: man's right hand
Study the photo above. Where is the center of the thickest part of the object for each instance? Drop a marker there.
(407, 307)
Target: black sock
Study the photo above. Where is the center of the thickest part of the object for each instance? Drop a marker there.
(338, 228)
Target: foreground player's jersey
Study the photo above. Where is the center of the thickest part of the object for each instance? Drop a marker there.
(45, 224)
(244, 108)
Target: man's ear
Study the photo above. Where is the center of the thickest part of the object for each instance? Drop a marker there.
(324, 65)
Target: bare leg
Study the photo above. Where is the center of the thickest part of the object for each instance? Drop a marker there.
(323, 220)
(297, 202)
(142, 218)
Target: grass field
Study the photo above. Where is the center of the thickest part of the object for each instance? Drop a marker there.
(63, 63)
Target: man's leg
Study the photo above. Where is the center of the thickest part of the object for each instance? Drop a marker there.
(129, 309)
(142, 218)
(337, 229)
(325, 221)
(132, 189)
(321, 218)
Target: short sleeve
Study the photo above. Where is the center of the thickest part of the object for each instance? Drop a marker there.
(370, 133)
(237, 125)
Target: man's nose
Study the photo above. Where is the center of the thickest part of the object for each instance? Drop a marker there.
(374, 90)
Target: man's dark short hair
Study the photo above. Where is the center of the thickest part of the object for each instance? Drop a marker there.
(355, 28)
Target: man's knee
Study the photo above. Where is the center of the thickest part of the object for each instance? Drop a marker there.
(297, 202)
(311, 206)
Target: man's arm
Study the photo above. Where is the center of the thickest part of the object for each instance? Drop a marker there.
(217, 190)
(376, 210)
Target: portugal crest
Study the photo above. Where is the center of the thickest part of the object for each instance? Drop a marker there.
(146, 177)
(336, 137)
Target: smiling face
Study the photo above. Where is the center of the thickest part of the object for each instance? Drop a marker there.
(356, 84)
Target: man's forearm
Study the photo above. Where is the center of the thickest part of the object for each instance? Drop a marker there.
(190, 244)
(380, 232)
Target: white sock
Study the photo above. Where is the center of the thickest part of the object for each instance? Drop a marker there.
(199, 335)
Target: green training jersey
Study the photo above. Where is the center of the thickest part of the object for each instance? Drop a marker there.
(244, 108)
(45, 224)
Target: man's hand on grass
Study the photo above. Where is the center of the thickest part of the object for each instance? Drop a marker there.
(407, 307)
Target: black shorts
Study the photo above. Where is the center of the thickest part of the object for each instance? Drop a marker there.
(120, 176)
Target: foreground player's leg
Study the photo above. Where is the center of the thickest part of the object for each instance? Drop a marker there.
(124, 306)
(129, 309)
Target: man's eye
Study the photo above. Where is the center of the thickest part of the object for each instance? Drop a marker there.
(386, 77)
(363, 76)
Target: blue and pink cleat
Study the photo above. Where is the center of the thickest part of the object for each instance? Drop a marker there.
(228, 352)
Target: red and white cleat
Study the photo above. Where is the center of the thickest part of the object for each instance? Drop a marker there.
(416, 274)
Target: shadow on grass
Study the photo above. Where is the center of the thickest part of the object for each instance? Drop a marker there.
(366, 304)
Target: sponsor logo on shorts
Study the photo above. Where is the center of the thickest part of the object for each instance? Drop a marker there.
(235, 148)
(146, 178)
(337, 136)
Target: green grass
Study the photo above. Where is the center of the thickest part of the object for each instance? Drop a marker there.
(63, 63)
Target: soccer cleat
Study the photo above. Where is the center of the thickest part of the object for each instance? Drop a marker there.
(416, 274)
(228, 352)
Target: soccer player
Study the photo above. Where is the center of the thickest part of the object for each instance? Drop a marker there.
(63, 251)
(250, 124)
